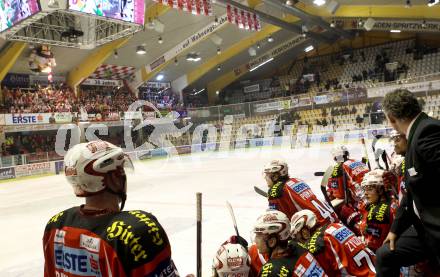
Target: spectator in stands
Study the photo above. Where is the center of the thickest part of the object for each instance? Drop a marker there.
(359, 119)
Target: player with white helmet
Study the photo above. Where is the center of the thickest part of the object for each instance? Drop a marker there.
(398, 161)
(380, 208)
(290, 195)
(340, 153)
(272, 235)
(334, 246)
(232, 259)
(343, 186)
(98, 238)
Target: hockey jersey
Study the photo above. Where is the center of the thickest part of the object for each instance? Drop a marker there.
(376, 224)
(257, 260)
(298, 263)
(295, 195)
(128, 243)
(401, 190)
(340, 252)
(354, 173)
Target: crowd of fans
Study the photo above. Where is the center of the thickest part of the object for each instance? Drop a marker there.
(93, 100)
(39, 100)
(105, 100)
(24, 144)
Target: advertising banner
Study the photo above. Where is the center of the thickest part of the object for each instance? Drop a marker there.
(414, 87)
(7, 173)
(102, 82)
(321, 99)
(33, 169)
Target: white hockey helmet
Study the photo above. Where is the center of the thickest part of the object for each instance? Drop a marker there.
(86, 165)
(302, 218)
(273, 222)
(232, 259)
(373, 178)
(339, 151)
(277, 166)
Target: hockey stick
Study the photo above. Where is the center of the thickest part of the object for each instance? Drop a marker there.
(366, 153)
(231, 211)
(324, 181)
(199, 234)
(376, 153)
(260, 191)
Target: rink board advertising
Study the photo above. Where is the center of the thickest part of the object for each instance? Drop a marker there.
(13, 11)
(129, 11)
(33, 169)
(7, 173)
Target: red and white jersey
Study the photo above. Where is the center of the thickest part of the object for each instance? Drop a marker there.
(354, 172)
(340, 252)
(128, 243)
(377, 223)
(257, 259)
(295, 195)
(297, 263)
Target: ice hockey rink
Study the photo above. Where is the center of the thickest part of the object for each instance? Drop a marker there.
(167, 188)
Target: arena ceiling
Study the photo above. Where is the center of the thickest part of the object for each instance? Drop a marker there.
(235, 42)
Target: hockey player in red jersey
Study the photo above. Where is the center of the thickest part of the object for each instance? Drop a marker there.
(337, 249)
(380, 209)
(98, 238)
(290, 195)
(398, 163)
(344, 185)
(232, 259)
(272, 235)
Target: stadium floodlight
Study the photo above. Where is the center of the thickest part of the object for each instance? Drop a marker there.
(159, 77)
(140, 50)
(395, 31)
(309, 48)
(193, 57)
(53, 4)
(261, 64)
(319, 2)
(433, 2)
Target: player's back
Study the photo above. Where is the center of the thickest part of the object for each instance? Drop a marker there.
(348, 252)
(298, 263)
(355, 170)
(295, 195)
(129, 243)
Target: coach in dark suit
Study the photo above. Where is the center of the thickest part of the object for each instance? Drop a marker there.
(415, 232)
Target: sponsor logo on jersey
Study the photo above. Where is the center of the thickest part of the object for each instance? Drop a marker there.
(59, 236)
(334, 183)
(266, 270)
(89, 243)
(165, 269)
(284, 272)
(342, 234)
(119, 230)
(76, 261)
(356, 164)
(234, 262)
(298, 187)
(314, 270)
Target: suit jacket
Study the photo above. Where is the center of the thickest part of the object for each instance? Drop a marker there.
(422, 173)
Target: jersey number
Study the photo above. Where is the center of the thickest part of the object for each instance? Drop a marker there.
(324, 209)
(364, 255)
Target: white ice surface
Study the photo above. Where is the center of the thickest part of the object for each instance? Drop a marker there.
(167, 188)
